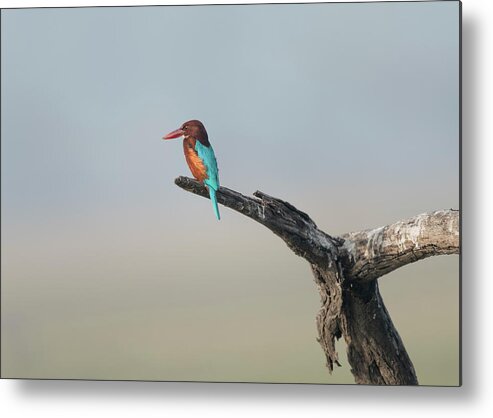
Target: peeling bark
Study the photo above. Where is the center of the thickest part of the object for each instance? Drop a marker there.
(345, 269)
(329, 284)
(376, 252)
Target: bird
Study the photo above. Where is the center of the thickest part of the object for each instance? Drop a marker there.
(200, 156)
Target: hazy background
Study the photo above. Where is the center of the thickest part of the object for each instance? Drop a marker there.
(109, 271)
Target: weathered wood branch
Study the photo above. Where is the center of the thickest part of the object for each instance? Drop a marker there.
(375, 350)
(376, 252)
(345, 270)
(292, 225)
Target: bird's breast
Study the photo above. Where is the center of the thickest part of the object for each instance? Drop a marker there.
(195, 163)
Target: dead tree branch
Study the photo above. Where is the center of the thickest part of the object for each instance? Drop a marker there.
(345, 269)
(376, 252)
(292, 225)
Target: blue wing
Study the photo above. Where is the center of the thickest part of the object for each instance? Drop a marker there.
(206, 154)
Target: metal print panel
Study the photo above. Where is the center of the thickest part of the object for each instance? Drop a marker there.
(136, 244)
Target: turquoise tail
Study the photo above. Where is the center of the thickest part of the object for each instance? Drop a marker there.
(212, 194)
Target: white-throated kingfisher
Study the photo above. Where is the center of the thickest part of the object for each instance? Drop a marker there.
(200, 156)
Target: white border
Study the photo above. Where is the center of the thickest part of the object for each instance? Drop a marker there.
(123, 399)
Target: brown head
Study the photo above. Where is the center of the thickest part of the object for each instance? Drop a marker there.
(194, 129)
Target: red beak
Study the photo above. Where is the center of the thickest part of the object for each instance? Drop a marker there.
(174, 134)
